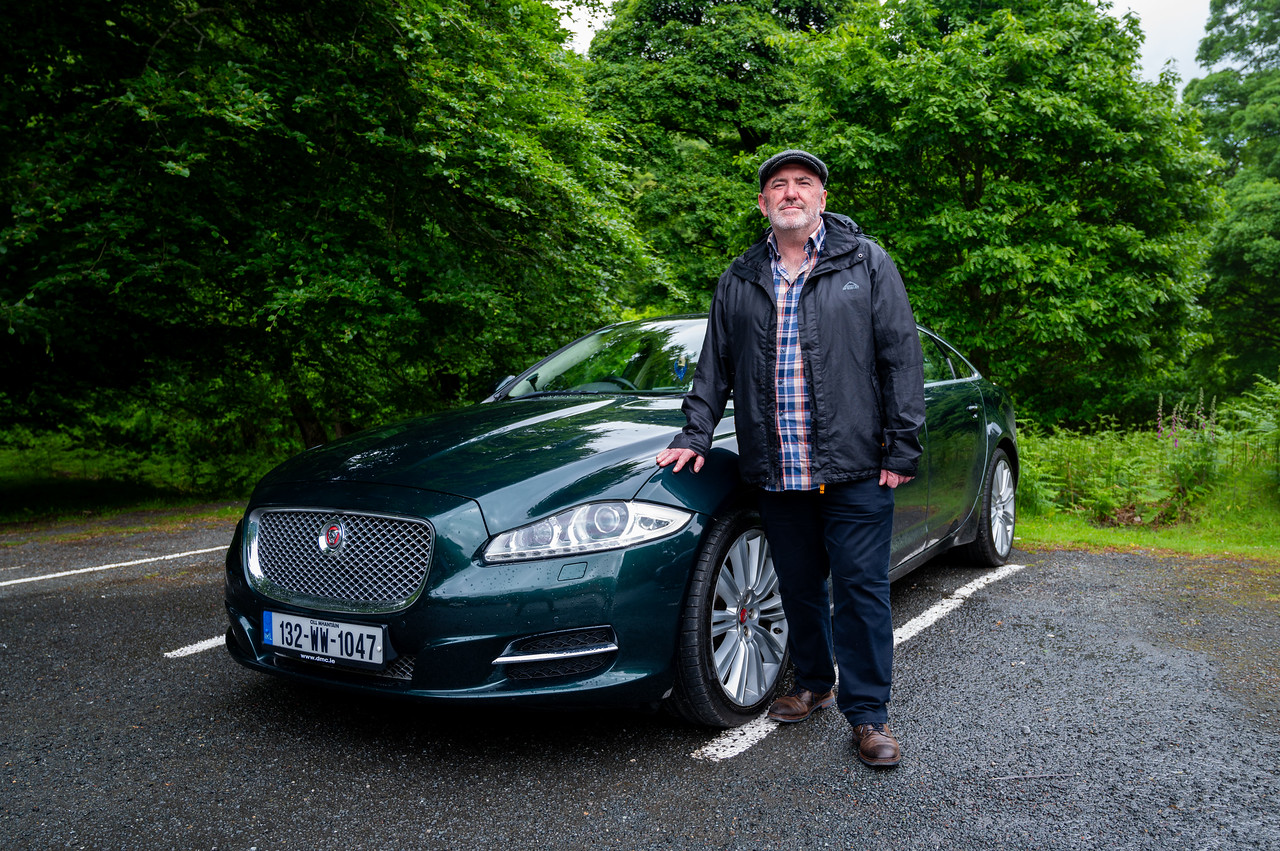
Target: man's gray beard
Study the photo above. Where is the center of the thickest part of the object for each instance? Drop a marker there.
(807, 224)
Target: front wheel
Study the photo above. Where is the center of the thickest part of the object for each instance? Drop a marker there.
(733, 634)
(996, 525)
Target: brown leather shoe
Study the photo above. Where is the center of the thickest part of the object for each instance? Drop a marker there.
(800, 704)
(876, 745)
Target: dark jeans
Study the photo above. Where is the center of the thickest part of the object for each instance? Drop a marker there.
(843, 533)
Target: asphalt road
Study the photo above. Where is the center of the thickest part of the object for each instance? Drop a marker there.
(1087, 701)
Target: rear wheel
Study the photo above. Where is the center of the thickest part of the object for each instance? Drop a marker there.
(733, 634)
(996, 525)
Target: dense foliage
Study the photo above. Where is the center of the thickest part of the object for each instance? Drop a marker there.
(230, 231)
(329, 212)
(701, 87)
(1047, 206)
(1241, 103)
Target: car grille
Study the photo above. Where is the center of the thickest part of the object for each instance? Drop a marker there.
(379, 564)
(400, 669)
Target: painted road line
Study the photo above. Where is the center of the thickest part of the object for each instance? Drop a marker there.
(198, 647)
(921, 622)
(733, 742)
(111, 566)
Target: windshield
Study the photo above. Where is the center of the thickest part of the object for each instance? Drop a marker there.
(649, 357)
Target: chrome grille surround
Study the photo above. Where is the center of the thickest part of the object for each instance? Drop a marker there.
(379, 563)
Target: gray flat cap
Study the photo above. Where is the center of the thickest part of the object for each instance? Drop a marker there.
(793, 156)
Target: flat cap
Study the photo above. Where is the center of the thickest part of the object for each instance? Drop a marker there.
(792, 156)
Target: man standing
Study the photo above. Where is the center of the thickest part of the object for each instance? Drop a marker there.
(812, 332)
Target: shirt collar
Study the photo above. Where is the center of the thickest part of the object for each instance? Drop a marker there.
(812, 246)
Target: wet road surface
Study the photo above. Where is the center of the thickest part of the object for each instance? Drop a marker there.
(1087, 701)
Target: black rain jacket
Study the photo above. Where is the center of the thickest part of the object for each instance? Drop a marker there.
(861, 355)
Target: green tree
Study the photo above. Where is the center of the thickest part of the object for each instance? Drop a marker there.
(700, 87)
(330, 211)
(1242, 31)
(1045, 205)
(1241, 105)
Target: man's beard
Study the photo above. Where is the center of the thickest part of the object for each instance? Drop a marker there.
(807, 220)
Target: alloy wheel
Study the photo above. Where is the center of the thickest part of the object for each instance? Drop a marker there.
(748, 627)
(1003, 490)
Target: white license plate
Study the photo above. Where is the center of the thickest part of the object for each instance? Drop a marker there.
(327, 642)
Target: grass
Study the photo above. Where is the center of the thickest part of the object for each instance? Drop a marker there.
(63, 488)
(1068, 531)
(1237, 515)
(1201, 480)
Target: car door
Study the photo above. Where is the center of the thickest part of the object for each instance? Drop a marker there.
(956, 454)
(911, 513)
(911, 501)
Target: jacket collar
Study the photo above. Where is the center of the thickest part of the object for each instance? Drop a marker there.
(839, 251)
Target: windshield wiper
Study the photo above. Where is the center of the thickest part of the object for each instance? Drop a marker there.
(537, 393)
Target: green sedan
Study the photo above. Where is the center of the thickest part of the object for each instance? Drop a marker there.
(528, 550)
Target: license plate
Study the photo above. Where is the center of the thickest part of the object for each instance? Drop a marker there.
(313, 639)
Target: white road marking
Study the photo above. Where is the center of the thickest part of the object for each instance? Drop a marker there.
(198, 647)
(110, 566)
(733, 742)
(923, 621)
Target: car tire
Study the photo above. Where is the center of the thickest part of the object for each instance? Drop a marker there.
(996, 524)
(732, 647)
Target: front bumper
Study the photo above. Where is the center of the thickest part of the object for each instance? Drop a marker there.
(599, 628)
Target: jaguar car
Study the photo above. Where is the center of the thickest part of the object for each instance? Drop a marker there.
(527, 549)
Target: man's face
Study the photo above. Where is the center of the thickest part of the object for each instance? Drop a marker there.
(793, 199)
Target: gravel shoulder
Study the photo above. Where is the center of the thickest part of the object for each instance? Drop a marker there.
(119, 525)
(1226, 609)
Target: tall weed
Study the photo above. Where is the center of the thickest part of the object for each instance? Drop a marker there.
(1157, 475)
(1190, 448)
(1256, 419)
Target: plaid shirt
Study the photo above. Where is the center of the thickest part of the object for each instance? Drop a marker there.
(794, 415)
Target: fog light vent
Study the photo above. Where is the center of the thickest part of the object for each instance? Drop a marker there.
(563, 668)
(559, 654)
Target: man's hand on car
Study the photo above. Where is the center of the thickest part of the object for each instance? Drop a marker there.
(680, 457)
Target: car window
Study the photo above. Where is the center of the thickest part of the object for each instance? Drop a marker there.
(641, 357)
(936, 367)
(959, 364)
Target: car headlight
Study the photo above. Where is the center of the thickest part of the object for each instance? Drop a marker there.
(587, 528)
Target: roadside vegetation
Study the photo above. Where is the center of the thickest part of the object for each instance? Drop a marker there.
(1200, 478)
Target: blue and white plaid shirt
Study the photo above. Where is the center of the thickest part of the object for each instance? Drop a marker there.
(794, 416)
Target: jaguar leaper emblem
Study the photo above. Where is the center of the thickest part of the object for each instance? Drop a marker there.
(332, 537)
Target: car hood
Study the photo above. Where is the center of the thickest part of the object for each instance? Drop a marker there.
(520, 459)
